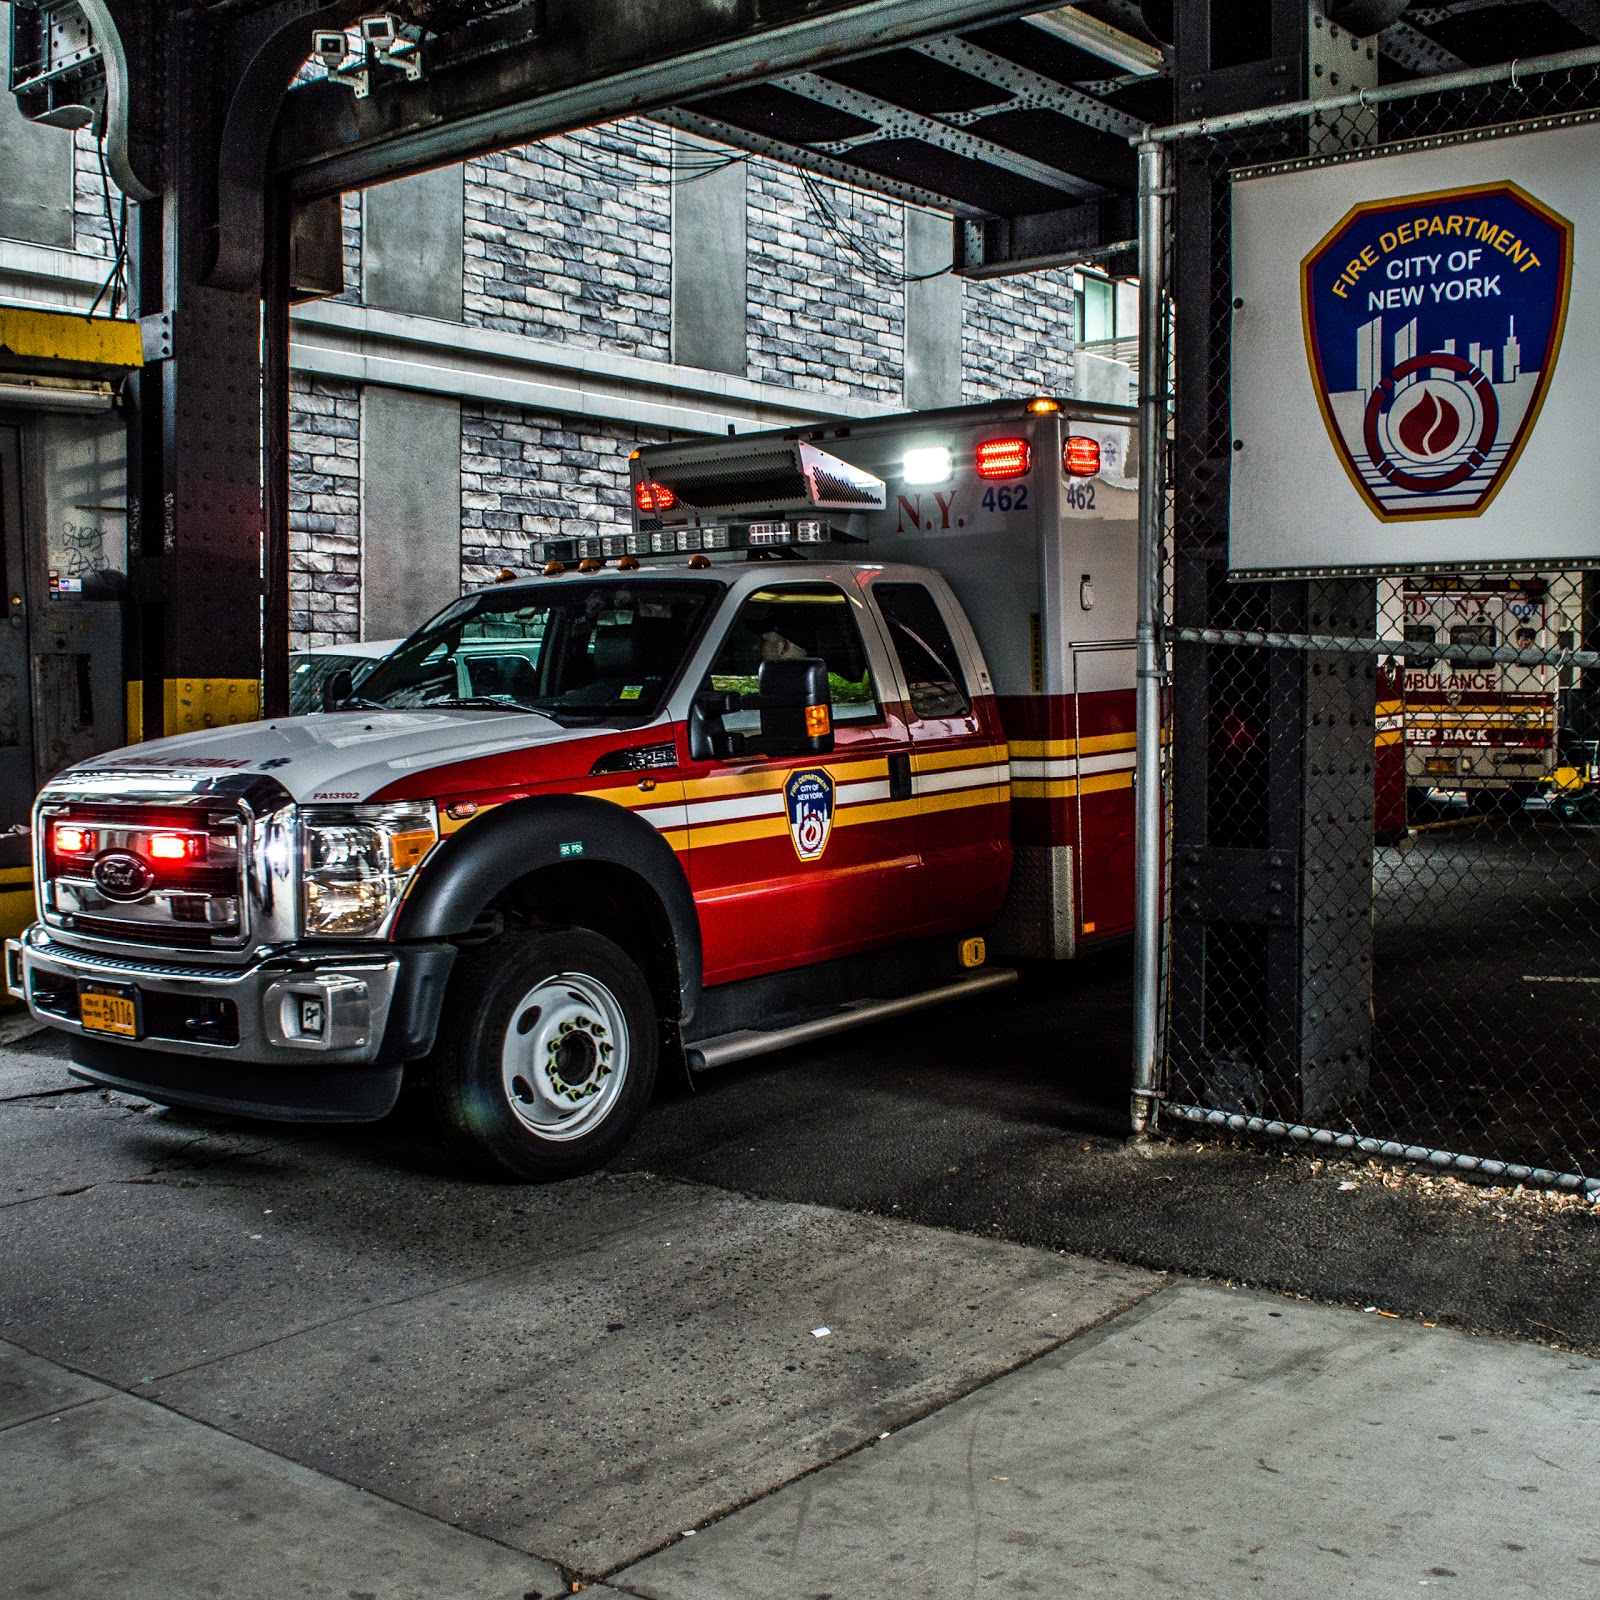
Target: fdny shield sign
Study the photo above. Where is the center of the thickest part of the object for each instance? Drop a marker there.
(1432, 326)
(808, 798)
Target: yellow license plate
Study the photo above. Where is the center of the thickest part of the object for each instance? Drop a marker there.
(104, 1012)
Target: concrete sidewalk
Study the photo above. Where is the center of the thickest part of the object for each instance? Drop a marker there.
(1205, 1443)
(265, 1363)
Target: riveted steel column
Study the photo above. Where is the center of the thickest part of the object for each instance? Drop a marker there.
(1149, 808)
(276, 291)
(198, 424)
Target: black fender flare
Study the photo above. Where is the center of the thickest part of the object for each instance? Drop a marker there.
(470, 867)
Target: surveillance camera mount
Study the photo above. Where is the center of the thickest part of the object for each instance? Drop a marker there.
(382, 40)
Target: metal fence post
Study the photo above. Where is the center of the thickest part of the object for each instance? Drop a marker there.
(1149, 906)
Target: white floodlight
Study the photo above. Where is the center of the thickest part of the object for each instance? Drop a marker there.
(929, 464)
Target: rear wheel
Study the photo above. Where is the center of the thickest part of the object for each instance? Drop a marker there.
(546, 1055)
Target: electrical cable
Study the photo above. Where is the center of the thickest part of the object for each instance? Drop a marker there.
(862, 254)
(116, 281)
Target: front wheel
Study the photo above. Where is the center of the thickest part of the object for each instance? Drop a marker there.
(546, 1055)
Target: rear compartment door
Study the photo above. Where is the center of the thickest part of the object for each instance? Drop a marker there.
(799, 861)
(1103, 713)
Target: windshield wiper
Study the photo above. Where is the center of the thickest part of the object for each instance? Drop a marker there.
(484, 702)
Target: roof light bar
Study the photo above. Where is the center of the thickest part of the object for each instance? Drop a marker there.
(714, 537)
(1003, 458)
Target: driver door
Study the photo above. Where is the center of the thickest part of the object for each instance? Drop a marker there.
(795, 861)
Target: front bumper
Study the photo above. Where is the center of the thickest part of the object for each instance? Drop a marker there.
(304, 1034)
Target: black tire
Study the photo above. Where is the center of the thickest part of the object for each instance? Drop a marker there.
(592, 1019)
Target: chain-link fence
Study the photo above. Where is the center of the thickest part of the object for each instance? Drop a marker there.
(1383, 829)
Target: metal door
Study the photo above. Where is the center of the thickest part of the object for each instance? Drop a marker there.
(77, 570)
(16, 725)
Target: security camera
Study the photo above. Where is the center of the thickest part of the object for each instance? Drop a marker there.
(331, 47)
(381, 29)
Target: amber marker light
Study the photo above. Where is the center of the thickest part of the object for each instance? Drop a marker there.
(1003, 458)
(1042, 405)
(817, 722)
(408, 848)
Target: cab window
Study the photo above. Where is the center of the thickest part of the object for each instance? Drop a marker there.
(785, 622)
(574, 651)
(1474, 633)
(925, 650)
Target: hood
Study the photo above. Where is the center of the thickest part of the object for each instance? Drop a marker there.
(345, 755)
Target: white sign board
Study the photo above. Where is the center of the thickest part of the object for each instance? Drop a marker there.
(1409, 391)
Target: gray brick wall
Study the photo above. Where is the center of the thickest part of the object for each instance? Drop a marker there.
(91, 237)
(1016, 336)
(818, 319)
(571, 240)
(526, 478)
(350, 216)
(324, 511)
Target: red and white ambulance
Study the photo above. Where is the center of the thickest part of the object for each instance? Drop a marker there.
(846, 706)
(1487, 728)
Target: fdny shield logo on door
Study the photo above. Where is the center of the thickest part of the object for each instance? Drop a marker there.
(808, 798)
(1432, 327)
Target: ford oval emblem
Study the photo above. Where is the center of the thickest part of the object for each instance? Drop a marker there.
(120, 876)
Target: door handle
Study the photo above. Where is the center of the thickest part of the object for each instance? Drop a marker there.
(900, 776)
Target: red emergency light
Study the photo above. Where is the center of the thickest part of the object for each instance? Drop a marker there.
(73, 841)
(1003, 458)
(1080, 456)
(653, 496)
(172, 847)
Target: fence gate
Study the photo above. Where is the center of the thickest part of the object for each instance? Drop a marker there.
(1378, 856)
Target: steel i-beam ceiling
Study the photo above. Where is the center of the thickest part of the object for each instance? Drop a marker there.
(895, 122)
(1028, 90)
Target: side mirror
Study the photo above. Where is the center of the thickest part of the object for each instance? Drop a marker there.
(708, 739)
(337, 687)
(796, 708)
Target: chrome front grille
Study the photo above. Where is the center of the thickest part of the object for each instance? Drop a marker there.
(171, 875)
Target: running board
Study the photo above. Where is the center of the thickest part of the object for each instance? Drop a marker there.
(730, 1047)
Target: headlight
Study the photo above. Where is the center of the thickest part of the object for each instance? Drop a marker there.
(357, 862)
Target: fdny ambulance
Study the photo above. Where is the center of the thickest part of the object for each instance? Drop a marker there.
(1488, 729)
(845, 709)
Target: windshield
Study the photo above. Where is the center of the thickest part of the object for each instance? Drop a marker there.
(575, 651)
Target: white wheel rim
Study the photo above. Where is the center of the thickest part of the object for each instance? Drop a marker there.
(565, 1057)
